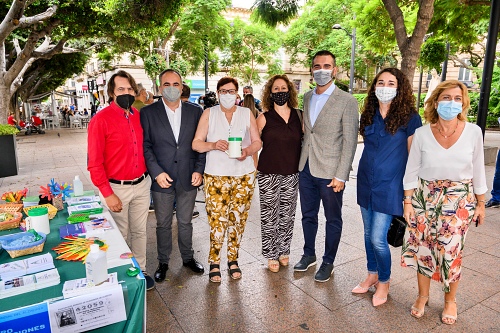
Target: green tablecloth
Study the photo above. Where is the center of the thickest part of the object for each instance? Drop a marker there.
(135, 288)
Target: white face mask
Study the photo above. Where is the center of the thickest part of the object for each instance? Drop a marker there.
(227, 100)
(385, 94)
(322, 76)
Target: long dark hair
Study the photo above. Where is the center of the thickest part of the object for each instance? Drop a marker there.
(402, 106)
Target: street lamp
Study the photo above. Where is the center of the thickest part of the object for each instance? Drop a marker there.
(353, 49)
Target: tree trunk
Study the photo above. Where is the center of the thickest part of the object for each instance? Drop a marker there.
(409, 46)
(5, 104)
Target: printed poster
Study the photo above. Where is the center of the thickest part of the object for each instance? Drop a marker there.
(32, 318)
(87, 312)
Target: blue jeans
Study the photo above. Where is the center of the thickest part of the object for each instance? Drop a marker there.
(378, 255)
(313, 190)
(495, 192)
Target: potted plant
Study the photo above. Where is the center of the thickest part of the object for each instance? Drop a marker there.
(8, 149)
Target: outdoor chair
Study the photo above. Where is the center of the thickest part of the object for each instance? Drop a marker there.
(74, 122)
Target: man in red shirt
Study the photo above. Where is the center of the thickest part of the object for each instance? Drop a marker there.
(117, 167)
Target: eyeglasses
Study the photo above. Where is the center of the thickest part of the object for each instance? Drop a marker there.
(230, 91)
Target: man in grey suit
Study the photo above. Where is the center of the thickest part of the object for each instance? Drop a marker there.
(330, 139)
(169, 126)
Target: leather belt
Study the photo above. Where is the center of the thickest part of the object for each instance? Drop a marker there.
(129, 182)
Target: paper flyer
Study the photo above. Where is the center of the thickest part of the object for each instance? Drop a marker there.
(33, 318)
(87, 312)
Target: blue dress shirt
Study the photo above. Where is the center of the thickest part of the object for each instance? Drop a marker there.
(317, 102)
(382, 166)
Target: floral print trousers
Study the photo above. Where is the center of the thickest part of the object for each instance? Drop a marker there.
(434, 242)
(227, 201)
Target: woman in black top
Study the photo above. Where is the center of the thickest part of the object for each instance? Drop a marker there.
(281, 132)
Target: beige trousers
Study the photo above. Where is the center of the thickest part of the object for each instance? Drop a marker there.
(132, 220)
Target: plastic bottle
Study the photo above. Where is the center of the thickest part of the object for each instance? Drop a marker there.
(96, 266)
(77, 186)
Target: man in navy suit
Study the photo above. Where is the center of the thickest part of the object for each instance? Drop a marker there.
(169, 126)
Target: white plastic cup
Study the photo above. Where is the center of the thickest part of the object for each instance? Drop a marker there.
(234, 150)
(38, 219)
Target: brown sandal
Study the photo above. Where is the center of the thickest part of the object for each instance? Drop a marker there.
(284, 259)
(273, 265)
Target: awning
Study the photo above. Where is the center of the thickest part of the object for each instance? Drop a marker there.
(42, 96)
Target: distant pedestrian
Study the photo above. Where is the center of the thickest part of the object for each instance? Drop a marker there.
(249, 90)
(13, 122)
(249, 102)
(494, 202)
(186, 93)
(140, 98)
(93, 109)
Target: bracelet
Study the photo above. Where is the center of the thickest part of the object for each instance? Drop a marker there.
(407, 203)
(483, 201)
(407, 197)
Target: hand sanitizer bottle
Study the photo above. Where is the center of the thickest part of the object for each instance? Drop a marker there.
(77, 186)
(96, 266)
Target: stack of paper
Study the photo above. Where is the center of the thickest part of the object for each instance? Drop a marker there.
(22, 267)
(82, 200)
(92, 208)
(73, 288)
(24, 284)
(95, 226)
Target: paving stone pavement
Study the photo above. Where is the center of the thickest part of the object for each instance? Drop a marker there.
(286, 301)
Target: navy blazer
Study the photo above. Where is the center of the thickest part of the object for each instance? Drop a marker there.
(162, 153)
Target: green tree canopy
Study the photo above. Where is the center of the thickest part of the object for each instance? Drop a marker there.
(33, 30)
(251, 46)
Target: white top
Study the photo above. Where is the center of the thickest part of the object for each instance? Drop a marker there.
(218, 162)
(174, 118)
(430, 161)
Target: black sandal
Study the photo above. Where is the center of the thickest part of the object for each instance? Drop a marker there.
(214, 274)
(233, 270)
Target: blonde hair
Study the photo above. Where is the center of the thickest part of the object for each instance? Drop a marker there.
(430, 112)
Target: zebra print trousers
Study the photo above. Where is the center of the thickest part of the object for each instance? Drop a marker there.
(278, 202)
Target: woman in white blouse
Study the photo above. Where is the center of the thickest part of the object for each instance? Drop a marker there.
(229, 181)
(444, 187)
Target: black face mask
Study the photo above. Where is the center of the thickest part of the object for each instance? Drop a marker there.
(125, 101)
(280, 98)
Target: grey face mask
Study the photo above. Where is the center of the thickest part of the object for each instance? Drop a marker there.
(322, 76)
(171, 94)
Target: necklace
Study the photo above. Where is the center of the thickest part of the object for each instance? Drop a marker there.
(447, 136)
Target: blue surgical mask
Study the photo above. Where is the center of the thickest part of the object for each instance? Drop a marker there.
(448, 110)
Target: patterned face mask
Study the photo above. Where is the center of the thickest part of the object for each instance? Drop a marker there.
(385, 94)
(280, 98)
(322, 76)
(171, 93)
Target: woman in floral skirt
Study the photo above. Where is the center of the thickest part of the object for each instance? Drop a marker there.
(444, 192)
